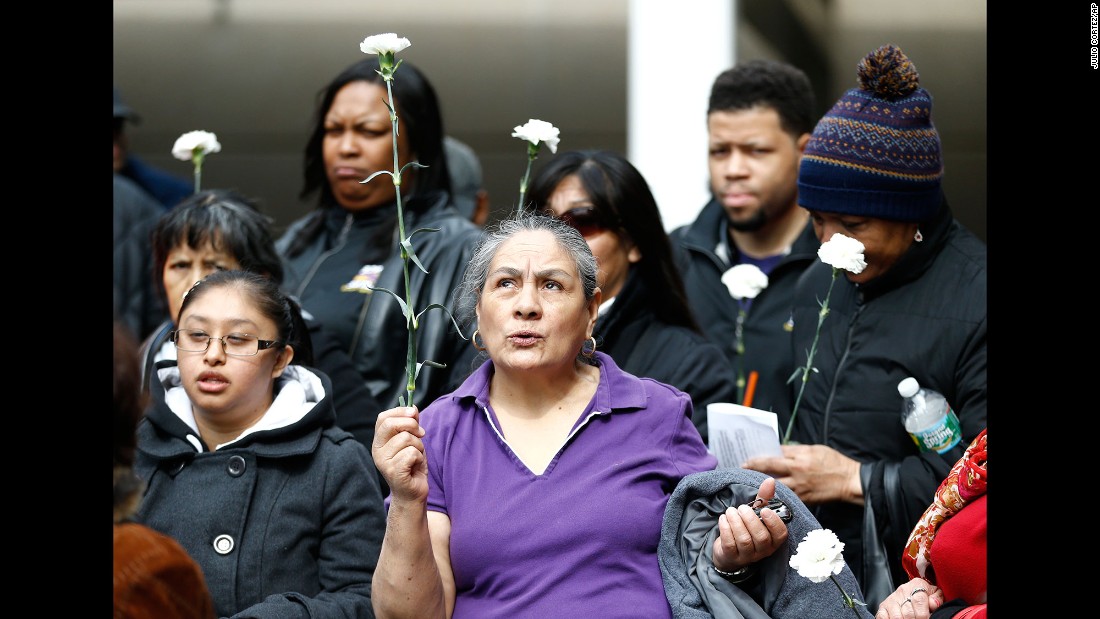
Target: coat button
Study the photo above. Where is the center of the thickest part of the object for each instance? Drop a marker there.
(236, 466)
(223, 544)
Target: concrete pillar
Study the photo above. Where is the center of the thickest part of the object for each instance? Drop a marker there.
(674, 52)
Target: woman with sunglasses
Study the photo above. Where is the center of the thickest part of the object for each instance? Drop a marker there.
(245, 466)
(644, 321)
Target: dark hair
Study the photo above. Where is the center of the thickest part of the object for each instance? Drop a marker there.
(767, 83)
(229, 221)
(417, 107)
(269, 299)
(130, 403)
(624, 202)
(477, 269)
(129, 399)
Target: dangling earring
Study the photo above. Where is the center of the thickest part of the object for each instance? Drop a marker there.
(473, 340)
(918, 237)
(586, 352)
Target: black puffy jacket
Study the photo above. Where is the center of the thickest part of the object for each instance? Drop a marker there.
(767, 335)
(644, 346)
(926, 318)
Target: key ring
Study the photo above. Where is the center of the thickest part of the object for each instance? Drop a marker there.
(779, 507)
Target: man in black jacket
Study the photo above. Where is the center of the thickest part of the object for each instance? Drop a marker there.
(759, 120)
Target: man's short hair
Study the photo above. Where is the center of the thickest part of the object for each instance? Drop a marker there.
(767, 83)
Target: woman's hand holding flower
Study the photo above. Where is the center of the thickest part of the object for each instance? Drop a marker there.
(399, 453)
(744, 538)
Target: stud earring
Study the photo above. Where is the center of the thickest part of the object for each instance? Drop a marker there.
(918, 237)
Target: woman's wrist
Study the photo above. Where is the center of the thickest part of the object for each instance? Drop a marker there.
(736, 576)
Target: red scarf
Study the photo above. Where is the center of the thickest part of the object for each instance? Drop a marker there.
(964, 484)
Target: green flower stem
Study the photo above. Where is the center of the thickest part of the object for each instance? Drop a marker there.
(410, 356)
(849, 601)
(196, 157)
(532, 154)
(810, 357)
(739, 334)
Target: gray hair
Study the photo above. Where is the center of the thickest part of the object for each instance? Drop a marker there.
(477, 270)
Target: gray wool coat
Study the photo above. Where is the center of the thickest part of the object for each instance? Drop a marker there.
(286, 522)
(777, 591)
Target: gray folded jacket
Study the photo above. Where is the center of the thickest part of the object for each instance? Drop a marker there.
(695, 591)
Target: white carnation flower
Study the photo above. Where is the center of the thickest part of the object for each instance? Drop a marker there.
(843, 252)
(538, 131)
(195, 143)
(387, 43)
(819, 555)
(745, 281)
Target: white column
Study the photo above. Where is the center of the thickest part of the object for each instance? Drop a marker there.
(674, 52)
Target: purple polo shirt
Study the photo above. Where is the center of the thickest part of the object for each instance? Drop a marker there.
(579, 540)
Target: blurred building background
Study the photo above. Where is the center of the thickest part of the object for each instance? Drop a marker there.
(249, 70)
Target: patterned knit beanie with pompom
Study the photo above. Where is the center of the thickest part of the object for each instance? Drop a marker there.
(876, 153)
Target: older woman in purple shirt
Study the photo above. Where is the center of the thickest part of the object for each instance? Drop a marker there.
(537, 488)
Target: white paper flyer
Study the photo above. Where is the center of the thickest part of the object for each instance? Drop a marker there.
(738, 433)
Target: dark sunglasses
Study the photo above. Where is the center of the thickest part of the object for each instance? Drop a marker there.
(584, 219)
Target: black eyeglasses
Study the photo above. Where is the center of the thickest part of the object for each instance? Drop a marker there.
(236, 344)
(584, 219)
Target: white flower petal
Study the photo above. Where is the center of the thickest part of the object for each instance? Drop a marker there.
(383, 43)
(186, 145)
(843, 252)
(819, 555)
(745, 281)
(536, 131)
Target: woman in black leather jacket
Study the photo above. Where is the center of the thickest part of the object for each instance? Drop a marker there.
(348, 245)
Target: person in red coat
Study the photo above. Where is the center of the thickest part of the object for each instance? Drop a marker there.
(946, 553)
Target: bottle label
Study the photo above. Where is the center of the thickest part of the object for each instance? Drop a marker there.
(941, 436)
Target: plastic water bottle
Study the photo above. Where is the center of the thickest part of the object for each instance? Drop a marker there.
(928, 417)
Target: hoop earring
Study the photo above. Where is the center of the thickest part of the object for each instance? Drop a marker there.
(473, 340)
(918, 237)
(588, 354)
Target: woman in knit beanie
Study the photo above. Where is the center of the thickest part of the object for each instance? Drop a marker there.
(872, 171)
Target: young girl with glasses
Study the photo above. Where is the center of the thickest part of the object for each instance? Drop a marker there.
(245, 465)
(223, 229)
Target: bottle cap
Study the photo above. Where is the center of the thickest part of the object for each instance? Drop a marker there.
(908, 387)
